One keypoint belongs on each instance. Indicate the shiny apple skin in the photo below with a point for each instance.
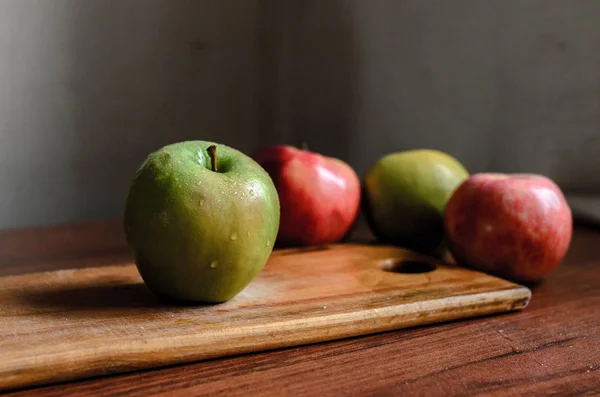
(516, 226)
(319, 195)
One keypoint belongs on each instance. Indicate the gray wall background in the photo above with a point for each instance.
(89, 87)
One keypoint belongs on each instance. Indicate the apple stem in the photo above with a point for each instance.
(212, 152)
(303, 145)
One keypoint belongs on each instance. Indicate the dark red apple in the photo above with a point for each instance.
(319, 195)
(516, 226)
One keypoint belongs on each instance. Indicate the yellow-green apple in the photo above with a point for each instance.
(516, 226)
(319, 195)
(405, 197)
(201, 219)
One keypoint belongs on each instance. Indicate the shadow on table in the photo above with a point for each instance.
(108, 299)
(103, 296)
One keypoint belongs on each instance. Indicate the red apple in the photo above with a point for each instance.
(319, 196)
(516, 226)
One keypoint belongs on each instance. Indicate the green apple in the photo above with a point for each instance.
(201, 219)
(405, 197)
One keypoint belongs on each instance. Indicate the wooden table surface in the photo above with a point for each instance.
(550, 348)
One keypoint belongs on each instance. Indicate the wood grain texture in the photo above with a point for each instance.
(550, 348)
(92, 244)
(69, 324)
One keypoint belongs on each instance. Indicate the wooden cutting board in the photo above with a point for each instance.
(70, 324)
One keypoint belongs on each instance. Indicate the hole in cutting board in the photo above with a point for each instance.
(404, 266)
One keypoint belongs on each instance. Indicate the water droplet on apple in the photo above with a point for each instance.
(234, 236)
(214, 264)
(201, 202)
(248, 234)
(235, 193)
(267, 243)
(251, 192)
